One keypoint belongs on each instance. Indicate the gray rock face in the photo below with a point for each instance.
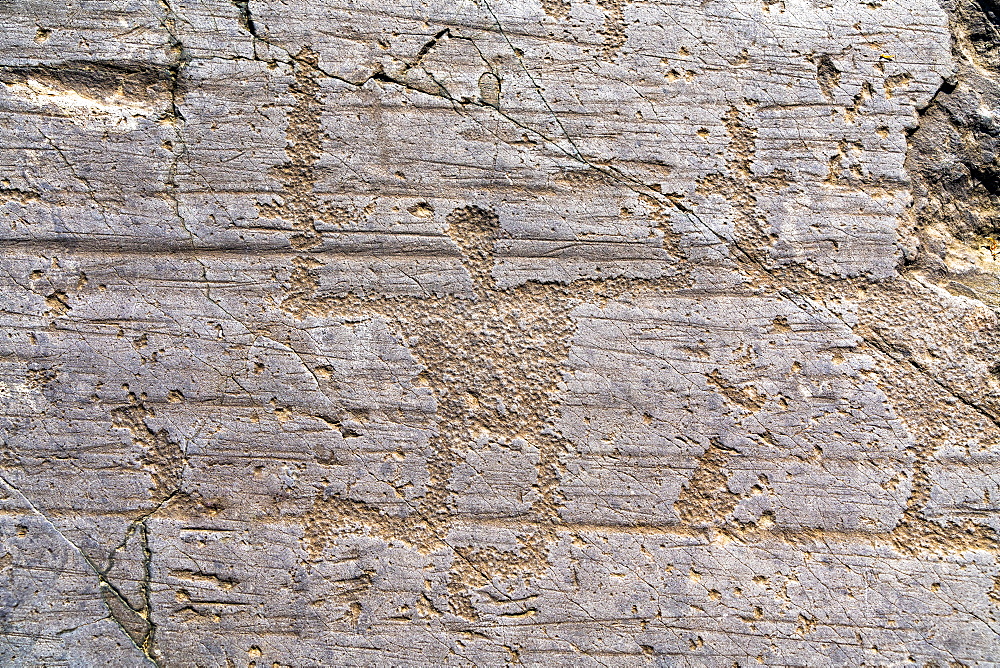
(560, 333)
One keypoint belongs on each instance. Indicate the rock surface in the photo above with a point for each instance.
(499, 332)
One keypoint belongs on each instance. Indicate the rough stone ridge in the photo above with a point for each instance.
(500, 332)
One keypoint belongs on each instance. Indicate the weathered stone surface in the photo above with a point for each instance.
(499, 333)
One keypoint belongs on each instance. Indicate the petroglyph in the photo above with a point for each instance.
(499, 333)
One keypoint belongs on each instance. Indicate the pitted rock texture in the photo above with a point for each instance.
(524, 332)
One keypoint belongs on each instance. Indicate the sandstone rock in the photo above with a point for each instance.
(499, 333)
